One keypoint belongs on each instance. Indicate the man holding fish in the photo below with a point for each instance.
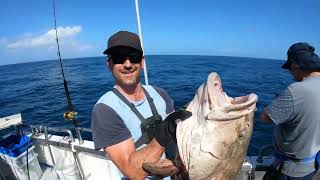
(212, 134)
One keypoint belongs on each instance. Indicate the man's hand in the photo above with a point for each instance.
(265, 117)
(166, 131)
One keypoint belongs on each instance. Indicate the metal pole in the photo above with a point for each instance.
(140, 35)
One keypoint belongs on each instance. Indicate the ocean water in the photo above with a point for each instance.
(36, 89)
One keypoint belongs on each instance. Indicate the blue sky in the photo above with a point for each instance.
(247, 28)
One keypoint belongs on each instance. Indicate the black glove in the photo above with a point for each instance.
(165, 132)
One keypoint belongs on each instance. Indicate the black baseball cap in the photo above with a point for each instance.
(123, 38)
(303, 55)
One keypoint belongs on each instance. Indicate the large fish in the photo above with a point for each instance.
(213, 142)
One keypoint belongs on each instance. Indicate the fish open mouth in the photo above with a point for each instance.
(218, 106)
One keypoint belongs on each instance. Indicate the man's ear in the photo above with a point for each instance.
(109, 64)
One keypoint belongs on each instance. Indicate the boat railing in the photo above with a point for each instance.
(71, 142)
(262, 152)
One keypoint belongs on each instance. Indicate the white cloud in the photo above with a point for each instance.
(79, 47)
(48, 39)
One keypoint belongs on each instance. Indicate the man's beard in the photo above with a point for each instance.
(128, 81)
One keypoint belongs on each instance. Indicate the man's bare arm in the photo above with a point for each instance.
(265, 117)
(129, 160)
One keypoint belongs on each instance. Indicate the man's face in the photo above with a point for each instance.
(126, 65)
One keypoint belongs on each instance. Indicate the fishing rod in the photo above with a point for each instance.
(71, 114)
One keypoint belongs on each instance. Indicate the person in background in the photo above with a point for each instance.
(296, 113)
(131, 123)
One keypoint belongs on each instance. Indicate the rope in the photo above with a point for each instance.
(22, 133)
(140, 35)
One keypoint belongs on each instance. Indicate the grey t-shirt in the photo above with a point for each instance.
(296, 112)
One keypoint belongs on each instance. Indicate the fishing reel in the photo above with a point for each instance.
(70, 115)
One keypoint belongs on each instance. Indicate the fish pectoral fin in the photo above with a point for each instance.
(161, 168)
(216, 143)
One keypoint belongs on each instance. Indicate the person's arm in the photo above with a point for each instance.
(265, 117)
(280, 110)
(129, 161)
(111, 134)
